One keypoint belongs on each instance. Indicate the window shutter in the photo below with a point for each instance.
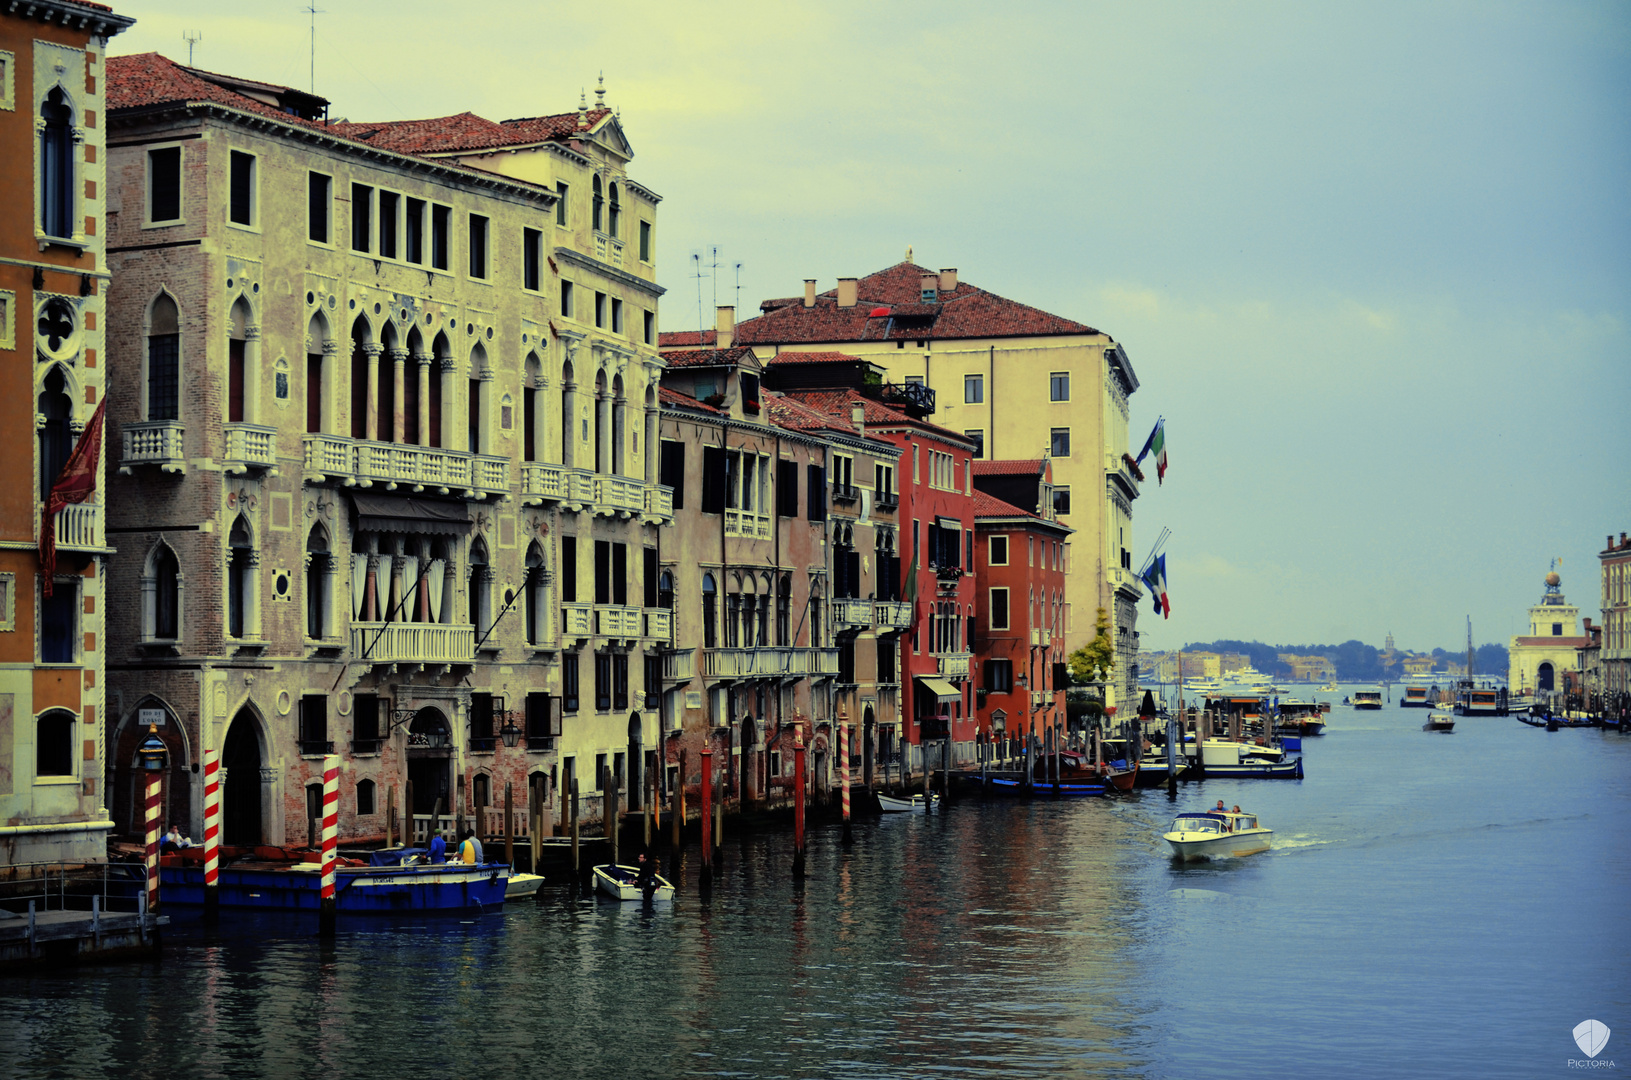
(787, 489)
(620, 574)
(817, 493)
(672, 466)
(713, 480)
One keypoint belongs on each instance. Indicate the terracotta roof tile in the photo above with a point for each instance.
(991, 506)
(812, 358)
(465, 131)
(684, 358)
(147, 79)
(675, 399)
(964, 312)
(1024, 467)
(836, 405)
(681, 339)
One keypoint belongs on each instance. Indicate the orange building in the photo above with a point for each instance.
(53, 280)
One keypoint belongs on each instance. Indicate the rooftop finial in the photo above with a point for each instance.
(908, 252)
(600, 92)
(583, 110)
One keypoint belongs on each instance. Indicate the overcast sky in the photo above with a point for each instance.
(1370, 261)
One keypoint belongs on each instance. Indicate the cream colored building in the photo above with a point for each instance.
(1538, 659)
(1023, 384)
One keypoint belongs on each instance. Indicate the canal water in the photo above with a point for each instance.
(1434, 905)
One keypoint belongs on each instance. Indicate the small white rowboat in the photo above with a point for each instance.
(623, 883)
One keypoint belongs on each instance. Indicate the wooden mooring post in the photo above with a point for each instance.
(577, 868)
(509, 827)
(798, 804)
(705, 792)
(843, 772)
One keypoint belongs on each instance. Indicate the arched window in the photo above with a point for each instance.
(478, 406)
(710, 600)
(440, 370)
(237, 374)
(57, 165)
(784, 610)
(319, 584)
(415, 387)
(54, 744)
(161, 595)
(531, 442)
(389, 357)
(665, 590)
(533, 611)
(481, 575)
(614, 217)
(361, 342)
(164, 360)
(601, 405)
(481, 793)
(569, 391)
(815, 617)
(597, 204)
(619, 432)
(365, 798)
(240, 580)
(317, 369)
(763, 636)
(56, 432)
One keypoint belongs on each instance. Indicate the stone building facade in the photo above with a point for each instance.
(1615, 562)
(53, 378)
(384, 427)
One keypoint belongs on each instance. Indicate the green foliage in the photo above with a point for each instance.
(1094, 661)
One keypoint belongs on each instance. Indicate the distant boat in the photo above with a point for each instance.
(917, 804)
(1369, 698)
(1329, 688)
(522, 886)
(1415, 697)
(1437, 721)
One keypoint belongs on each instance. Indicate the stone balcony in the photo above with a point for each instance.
(578, 620)
(363, 463)
(79, 527)
(619, 495)
(249, 446)
(752, 663)
(413, 643)
(659, 504)
(659, 623)
(747, 525)
(852, 613)
(892, 614)
(679, 665)
(954, 665)
(152, 442)
(821, 661)
(618, 622)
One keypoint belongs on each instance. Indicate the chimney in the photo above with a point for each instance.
(809, 292)
(928, 287)
(724, 326)
(948, 279)
(848, 288)
(857, 416)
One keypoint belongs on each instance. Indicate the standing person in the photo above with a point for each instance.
(438, 848)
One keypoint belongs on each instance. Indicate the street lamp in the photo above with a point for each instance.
(152, 751)
(509, 732)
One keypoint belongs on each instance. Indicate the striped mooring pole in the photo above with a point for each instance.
(706, 792)
(331, 822)
(155, 798)
(212, 833)
(843, 772)
(798, 804)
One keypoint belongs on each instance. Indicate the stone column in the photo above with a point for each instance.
(399, 360)
(370, 588)
(422, 364)
(421, 604)
(372, 350)
(398, 565)
(450, 407)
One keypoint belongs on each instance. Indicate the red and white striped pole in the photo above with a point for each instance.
(331, 828)
(155, 799)
(843, 772)
(212, 833)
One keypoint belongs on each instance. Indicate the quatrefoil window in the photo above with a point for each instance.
(58, 328)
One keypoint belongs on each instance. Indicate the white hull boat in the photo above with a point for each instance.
(917, 804)
(1212, 835)
(521, 886)
(623, 883)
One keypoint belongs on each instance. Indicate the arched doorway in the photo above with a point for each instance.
(241, 788)
(636, 767)
(430, 762)
(1545, 678)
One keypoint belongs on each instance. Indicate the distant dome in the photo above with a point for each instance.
(1553, 580)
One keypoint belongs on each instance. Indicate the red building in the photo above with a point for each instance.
(1020, 565)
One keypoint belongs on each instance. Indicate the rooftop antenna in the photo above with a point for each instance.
(315, 11)
(738, 286)
(191, 37)
(714, 251)
(696, 269)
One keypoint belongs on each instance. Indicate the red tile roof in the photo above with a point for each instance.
(684, 358)
(836, 405)
(964, 312)
(787, 411)
(991, 506)
(1555, 642)
(147, 79)
(1027, 467)
(465, 131)
(812, 358)
(680, 339)
(677, 400)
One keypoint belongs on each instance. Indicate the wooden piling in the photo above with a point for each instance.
(536, 810)
(154, 807)
(798, 804)
(577, 869)
(719, 816)
(509, 828)
(609, 807)
(390, 813)
(705, 824)
(843, 773)
(651, 798)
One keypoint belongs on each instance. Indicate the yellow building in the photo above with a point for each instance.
(1539, 659)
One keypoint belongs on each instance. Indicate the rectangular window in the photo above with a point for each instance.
(482, 722)
(617, 315)
(787, 489)
(649, 335)
(314, 724)
(671, 469)
(620, 683)
(999, 676)
(714, 479)
(569, 682)
(653, 682)
(540, 725)
(816, 487)
(532, 250)
(566, 299)
(164, 184)
(478, 246)
(968, 557)
(59, 623)
(603, 571)
(1059, 386)
(977, 437)
(362, 219)
(645, 241)
(973, 389)
(620, 574)
(413, 232)
(603, 682)
(1061, 500)
(561, 191)
(365, 722)
(569, 569)
(600, 309)
(1060, 442)
(997, 613)
(242, 208)
(648, 576)
(318, 206)
(441, 228)
(390, 205)
(883, 484)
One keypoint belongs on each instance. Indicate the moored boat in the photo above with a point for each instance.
(623, 883)
(522, 886)
(1213, 834)
(1415, 697)
(1009, 785)
(1223, 758)
(280, 885)
(916, 804)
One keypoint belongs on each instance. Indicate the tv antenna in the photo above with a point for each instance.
(315, 11)
(191, 37)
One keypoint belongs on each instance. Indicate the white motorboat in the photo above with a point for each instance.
(623, 883)
(1217, 834)
(521, 886)
(917, 804)
(1368, 698)
(1439, 721)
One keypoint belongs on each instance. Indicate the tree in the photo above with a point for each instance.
(1093, 662)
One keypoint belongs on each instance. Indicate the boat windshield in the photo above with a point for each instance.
(1197, 824)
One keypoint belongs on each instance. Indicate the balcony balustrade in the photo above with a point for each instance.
(747, 525)
(955, 665)
(659, 504)
(893, 614)
(413, 643)
(329, 457)
(541, 482)
(659, 623)
(249, 446)
(394, 465)
(617, 622)
(79, 527)
(153, 442)
(1040, 636)
(821, 661)
(751, 663)
(846, 493)
(619, 495)
(852, 612)
(679, 665)
(578, 620)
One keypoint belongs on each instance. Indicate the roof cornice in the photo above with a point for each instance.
(74, 16)
(641, 190)
(579, 259)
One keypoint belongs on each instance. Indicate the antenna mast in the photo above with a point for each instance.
(315, 11)
(191, 37)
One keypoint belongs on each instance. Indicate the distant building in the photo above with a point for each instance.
(1539, 659)
(1616, 652)
(1418, 665)
(1309, 668)
(53, 377)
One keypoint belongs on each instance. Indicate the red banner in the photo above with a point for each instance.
(75, 484)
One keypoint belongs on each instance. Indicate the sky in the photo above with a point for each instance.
(1371, 262)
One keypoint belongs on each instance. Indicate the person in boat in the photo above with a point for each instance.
(438, 849)
(646, 880)
(1218, 809)
(173, 839)
(469, 851)
(1236, 810)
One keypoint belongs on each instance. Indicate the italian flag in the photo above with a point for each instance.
(1155, 576)
(1157, 444)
